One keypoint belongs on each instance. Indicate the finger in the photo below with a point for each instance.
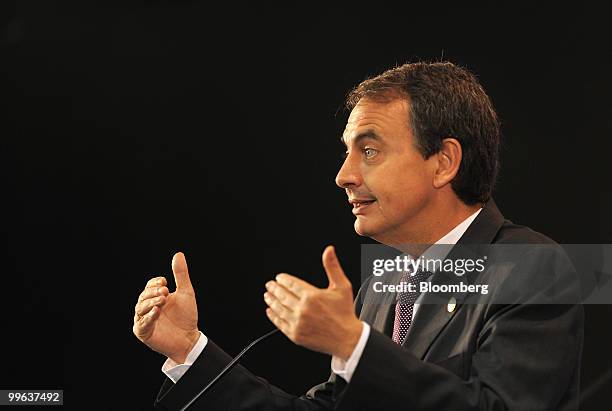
(181, 273)
(142, 325)
(277, 321)
(297, 286)
(335, 273)
(276, 306)
(156, 282)
(149, 300)
(286, 297)
(151, 292)
(145, 306)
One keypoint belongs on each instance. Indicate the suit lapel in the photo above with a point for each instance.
(383, 319)
(386, 315)
(380, 313)
(432, 315)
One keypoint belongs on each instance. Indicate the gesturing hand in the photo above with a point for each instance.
(322, 320)
(168, 322)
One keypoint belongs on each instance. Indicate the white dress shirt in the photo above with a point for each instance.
(341, 368)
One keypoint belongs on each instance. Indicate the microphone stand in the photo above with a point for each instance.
(226, 369)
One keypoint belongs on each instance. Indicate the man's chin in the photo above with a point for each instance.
(364, 228)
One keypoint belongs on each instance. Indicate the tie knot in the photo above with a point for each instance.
(420, 275)
(409, 296)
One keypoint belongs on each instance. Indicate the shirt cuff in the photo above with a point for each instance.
(175, 371)
(345, 369)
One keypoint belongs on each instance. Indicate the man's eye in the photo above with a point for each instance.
(369, 152)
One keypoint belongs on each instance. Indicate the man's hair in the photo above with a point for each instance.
(445, 101)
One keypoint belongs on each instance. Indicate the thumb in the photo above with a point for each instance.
(181, 273)
(335, 273)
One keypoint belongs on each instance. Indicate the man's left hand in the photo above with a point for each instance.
(322, 320)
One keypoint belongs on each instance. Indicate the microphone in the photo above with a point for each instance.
(227, 368)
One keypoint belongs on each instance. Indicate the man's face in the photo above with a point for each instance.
(386, 179)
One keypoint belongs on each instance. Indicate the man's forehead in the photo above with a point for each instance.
(376, 116)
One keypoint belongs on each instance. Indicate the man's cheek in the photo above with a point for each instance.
(385, 204)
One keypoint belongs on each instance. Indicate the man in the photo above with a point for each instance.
(421, 161)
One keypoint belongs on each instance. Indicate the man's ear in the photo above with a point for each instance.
(449, 160)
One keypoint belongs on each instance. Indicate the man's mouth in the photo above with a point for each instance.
(360, 205)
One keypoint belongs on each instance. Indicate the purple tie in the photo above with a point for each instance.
(405, 304)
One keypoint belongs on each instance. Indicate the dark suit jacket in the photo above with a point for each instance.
(477, 357)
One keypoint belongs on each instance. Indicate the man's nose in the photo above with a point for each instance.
(349, 174)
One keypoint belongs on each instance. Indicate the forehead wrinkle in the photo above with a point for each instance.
(375, 116)
(368, 130)
(379, 111)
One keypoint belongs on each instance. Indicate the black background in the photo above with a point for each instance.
(134, 129)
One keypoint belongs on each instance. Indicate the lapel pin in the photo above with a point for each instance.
(452, 304)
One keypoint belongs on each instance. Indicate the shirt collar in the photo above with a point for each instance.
(455, 234)
(440, 251)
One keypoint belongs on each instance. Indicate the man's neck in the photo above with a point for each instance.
(432, 224)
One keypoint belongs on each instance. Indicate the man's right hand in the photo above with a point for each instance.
(168, 322)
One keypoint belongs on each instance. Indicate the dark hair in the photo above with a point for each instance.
(445, 101)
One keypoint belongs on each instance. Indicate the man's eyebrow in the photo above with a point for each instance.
(371, 134)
